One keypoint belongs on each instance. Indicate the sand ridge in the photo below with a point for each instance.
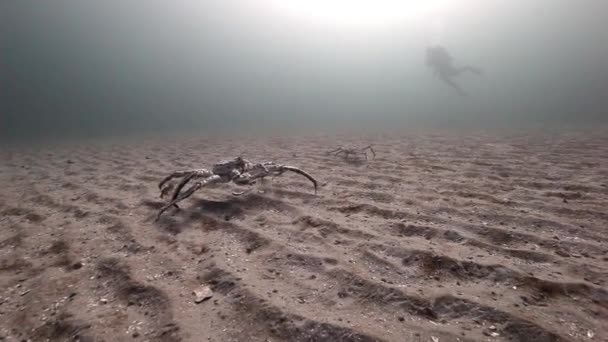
(448, 238)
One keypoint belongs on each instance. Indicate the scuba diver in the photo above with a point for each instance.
(438, 58)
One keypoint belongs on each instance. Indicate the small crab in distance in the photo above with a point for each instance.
(238, 170)
(352, 151)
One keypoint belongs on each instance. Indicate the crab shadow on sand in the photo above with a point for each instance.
(232, 207)
(355, 161)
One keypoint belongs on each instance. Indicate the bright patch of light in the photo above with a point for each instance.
(359, 14)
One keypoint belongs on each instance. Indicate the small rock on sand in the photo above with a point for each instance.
(202, 293)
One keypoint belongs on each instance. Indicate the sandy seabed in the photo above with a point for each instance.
(441, 237)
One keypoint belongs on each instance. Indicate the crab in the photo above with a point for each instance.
(238, 170)
(353, 151)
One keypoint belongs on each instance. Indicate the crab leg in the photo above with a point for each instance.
(195, 174)
(342, 151)
(178, 174)
(175, 174)
(181, 184)
(335, 150)
(282, 169)
(371, 149)
(240, 193)
(210, 180)
(243, 179)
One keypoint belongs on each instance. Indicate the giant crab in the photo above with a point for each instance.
(238, 170)
(353, 151)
